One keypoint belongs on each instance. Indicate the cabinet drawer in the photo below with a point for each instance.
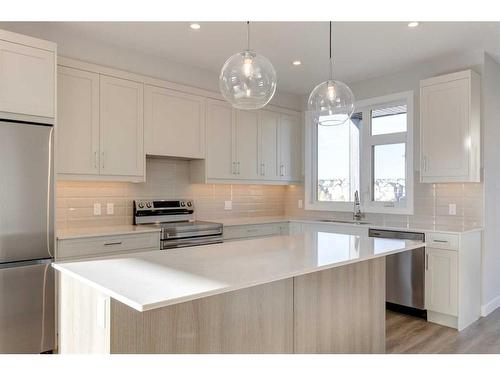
(442, 240)
(247, 231)
(106, 245)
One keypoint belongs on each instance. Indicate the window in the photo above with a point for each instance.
(371, 154)
(338, 161)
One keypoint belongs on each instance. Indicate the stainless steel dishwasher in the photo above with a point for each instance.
(405, 274)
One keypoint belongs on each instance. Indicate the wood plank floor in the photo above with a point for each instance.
(407, 334)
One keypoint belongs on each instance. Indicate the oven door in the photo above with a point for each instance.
(190, 241)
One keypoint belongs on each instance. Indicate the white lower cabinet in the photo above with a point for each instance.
(74, 248)
(441, 281)
(453, 278)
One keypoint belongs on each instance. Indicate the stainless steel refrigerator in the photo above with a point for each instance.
(27, 293)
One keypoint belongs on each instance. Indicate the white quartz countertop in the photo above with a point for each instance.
(155, 279)
(66, 234)
(452, 229)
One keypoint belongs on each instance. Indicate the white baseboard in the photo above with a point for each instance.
(491, 306)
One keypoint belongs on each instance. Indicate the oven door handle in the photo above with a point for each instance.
(194, 234)
(184, 242)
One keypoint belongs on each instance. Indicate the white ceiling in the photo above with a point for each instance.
(361, 49)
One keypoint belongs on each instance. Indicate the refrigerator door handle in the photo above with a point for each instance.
(49, 193)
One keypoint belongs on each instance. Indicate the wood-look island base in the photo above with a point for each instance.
(337, 310)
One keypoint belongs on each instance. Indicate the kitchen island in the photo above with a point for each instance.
(310, 293)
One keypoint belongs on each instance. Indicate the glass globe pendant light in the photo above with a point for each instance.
(331, 102)
(247, 80)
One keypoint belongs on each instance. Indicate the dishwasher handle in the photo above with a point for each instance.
(399, 235)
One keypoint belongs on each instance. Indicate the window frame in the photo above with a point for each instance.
(367, 141)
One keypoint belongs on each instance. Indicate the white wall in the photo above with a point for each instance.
(78, 47)
(491, 140)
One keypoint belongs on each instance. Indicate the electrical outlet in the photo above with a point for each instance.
(228, 205)
(110, 208)
(299, 203)
(452, 209)
(97, 209)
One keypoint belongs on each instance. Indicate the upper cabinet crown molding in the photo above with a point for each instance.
(27, 77)
(450, 128)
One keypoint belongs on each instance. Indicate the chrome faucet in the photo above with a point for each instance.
(357, 214)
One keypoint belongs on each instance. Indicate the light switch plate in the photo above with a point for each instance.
(97, 209)
(228, 205)
(452, 209)
(299, 203)
(110, 208)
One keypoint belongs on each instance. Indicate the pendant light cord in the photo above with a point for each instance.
(248, 35)
(331, 61)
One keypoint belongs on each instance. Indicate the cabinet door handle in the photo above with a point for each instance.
(426, 262)
(102, 159)
(112, 243)
(281, 170)
(440, 241)
(238, 165)
(263, 169)
(233, 168)
(95, 160)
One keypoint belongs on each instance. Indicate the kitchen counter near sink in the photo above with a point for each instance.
(233, 297)
(412, 227)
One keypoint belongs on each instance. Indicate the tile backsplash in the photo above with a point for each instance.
(431, 206)
(166, 178)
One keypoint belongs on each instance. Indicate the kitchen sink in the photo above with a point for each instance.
(358, 222)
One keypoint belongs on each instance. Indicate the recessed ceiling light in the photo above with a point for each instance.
(195, 26)
(296, 62)
(413, 24)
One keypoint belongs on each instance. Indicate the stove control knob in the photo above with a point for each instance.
(141, 205)
(148, 205)
(189, 204)
(183, 204)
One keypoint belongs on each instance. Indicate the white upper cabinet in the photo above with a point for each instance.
(78, 121)
(121, 130)
(290, 149)
(174, 123)
(268, 163)
(250, 146)
(220, 161)
(450, 128)
(27, 79)
(247, 144)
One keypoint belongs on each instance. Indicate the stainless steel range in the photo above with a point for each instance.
(175, 218)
